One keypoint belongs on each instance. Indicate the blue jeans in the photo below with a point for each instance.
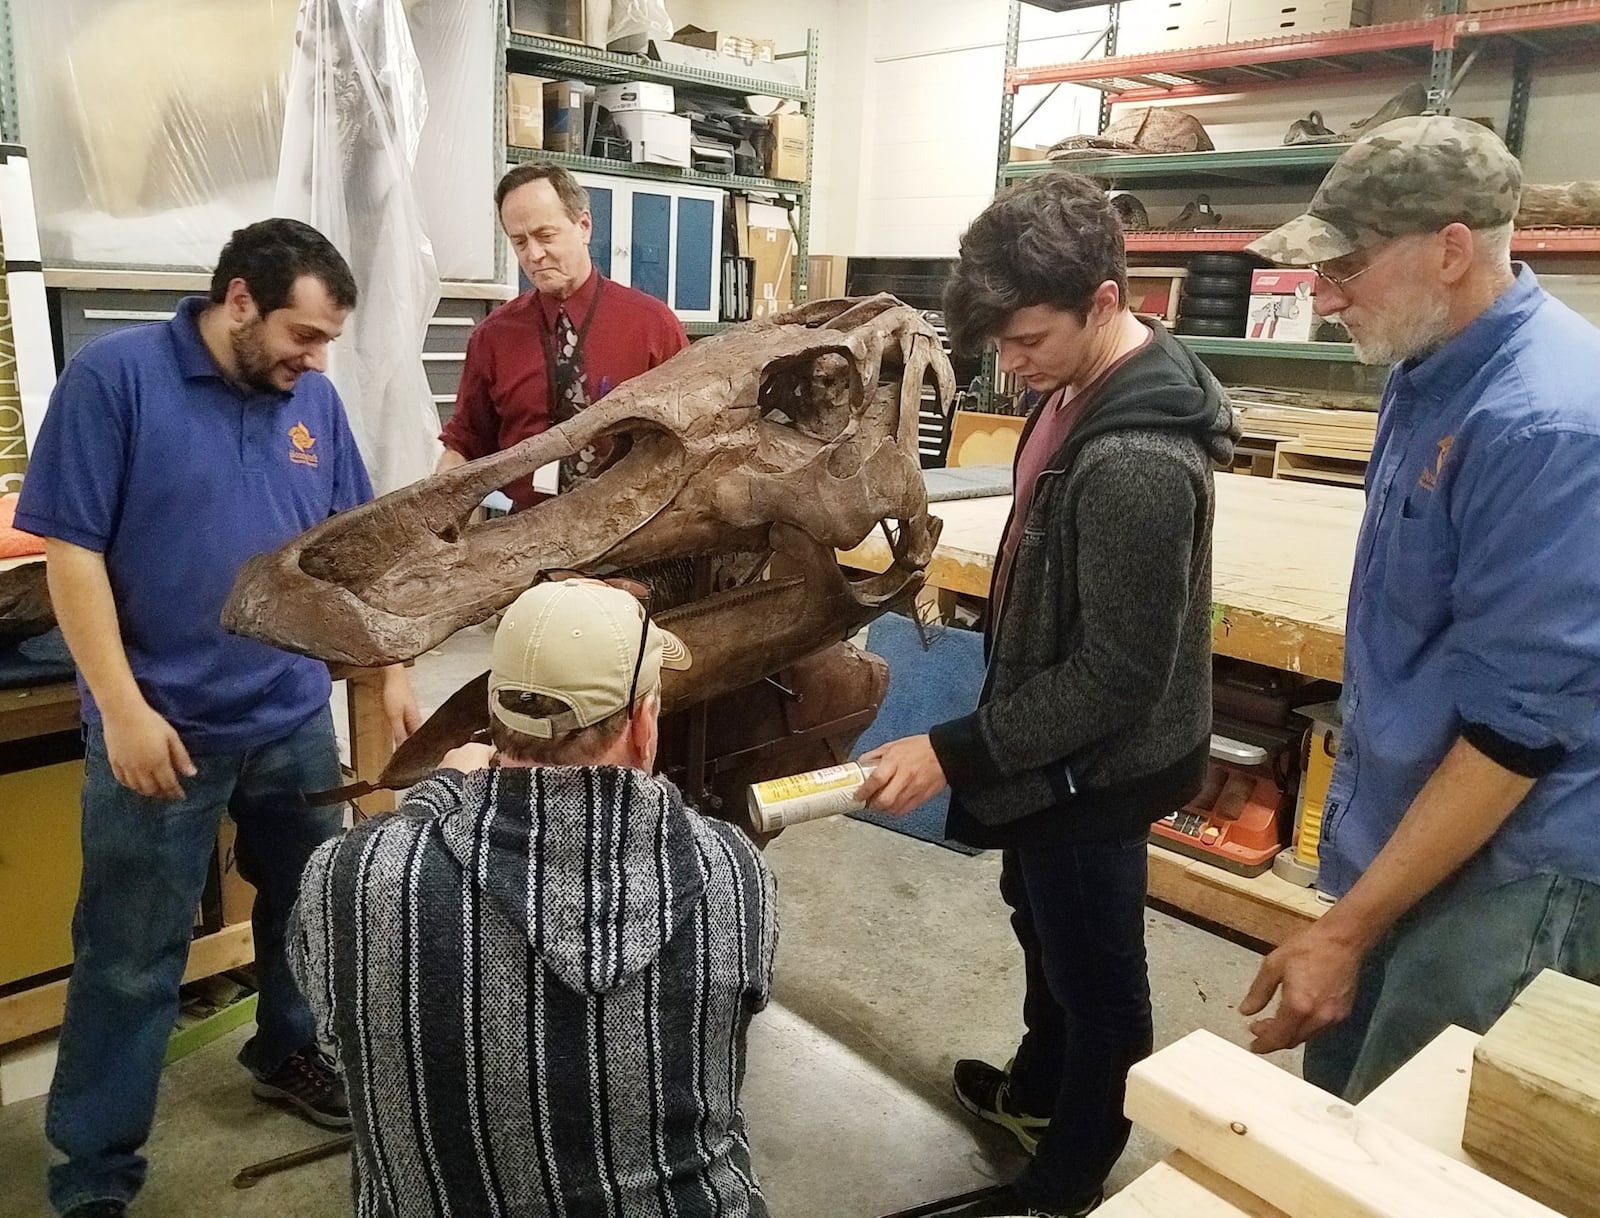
(144, 869)
(1460, 959)
(1078, 912)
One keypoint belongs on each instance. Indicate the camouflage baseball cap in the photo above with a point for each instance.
(1413, 175)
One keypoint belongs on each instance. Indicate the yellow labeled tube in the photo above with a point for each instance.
(830, 791)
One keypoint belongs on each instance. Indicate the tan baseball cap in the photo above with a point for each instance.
(1412, 175)
(576, 641)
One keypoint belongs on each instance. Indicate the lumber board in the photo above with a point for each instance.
(40, 1008)
(1181, 1187)
(1427, 1097)
(1299, 1148)
(38, 710)
(1264, 907)
(1533, 1110)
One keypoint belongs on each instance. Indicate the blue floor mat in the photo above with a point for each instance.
(925, 687)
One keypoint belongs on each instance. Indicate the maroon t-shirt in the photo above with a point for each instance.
(505, 386)
(1057, 416)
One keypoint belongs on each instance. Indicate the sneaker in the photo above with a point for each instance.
(1006, 1203)
(309, 1083)
(985, 1092)
(106, 1207)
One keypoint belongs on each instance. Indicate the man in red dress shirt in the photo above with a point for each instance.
(542, 357)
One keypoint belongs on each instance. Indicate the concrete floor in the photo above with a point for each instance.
(895, 957)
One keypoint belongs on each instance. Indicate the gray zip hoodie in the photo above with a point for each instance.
(1095, 717)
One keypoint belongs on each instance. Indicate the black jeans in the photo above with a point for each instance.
(1078, 911)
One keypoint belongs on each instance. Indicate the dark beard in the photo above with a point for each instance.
(255, 370)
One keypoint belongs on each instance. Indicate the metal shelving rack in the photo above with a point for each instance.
(1561, 32)
(9, 131)
(557, 59)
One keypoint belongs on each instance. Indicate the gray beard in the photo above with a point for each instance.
(1412, 331)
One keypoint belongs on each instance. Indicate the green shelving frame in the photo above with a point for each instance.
(1341, 353)
(555, 58)
(1304, 163)
(658, 173)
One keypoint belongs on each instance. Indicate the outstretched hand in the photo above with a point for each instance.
(908, 776)
(1316, 973)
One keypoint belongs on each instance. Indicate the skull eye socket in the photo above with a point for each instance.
(815, 394)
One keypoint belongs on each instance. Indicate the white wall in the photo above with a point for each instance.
(836, 121)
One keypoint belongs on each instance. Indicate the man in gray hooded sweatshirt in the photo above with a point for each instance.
(540, 971)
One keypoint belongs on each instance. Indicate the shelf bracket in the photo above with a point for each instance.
(1521, 88)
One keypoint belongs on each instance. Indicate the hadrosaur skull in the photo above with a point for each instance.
(785, 439)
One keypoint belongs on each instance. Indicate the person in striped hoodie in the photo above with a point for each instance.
(538, 973)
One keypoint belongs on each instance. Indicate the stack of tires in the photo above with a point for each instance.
(1216, 295)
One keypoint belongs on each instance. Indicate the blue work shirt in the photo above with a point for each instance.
(149, 456)
(1475, 602)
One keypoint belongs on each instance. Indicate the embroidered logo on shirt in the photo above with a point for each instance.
(302, 439)
(1430, 477)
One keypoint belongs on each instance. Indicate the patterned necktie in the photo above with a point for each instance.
(572, 395)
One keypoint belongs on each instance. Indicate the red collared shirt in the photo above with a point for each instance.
(505, 388)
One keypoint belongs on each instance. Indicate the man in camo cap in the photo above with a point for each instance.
(1459, 832)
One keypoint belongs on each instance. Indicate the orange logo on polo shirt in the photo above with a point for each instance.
(302, 439)
(1430, 477)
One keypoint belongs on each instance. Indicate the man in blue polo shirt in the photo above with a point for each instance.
(170, 454)
(1462, 829)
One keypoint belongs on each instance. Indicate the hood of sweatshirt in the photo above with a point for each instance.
(596, 863)
(1164, 386)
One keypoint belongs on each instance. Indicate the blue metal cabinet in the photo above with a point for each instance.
(661, 238)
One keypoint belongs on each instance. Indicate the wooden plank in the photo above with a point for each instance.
(1427, 1097)
(1533, 1113)
(1261, 907)
(38, 710)
(1181, 1187)
(1297, 1147)
(371, 743)
(40, 1008)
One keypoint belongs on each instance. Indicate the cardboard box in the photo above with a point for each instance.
(1280, 306)
(736, 46)
(1386, 12)
(548, 18)
(1154, 291)
(769, 308)
(825, 276)
(635, 95)
(658, 139)
(1145, 26)
(1027, 152)
(789, 72)
(238, 895)
(563, 115)
(41, 860)
(1249, 20)
(772, 245)
(524, 111)
(789, 138)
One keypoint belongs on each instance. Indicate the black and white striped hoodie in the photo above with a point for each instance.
(539, 981)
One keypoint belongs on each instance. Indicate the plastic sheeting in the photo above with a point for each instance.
(355, 113)
(155, 126)
(639, 18)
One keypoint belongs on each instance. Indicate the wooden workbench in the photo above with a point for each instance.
(46, 709)
(1281, 562)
